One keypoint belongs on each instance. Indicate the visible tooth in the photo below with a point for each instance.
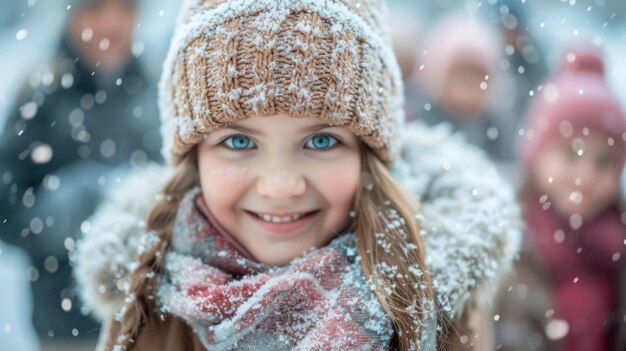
(276, 219)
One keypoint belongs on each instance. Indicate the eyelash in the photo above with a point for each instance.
(223, 143)
(230, 137)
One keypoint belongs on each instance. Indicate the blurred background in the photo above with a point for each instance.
(78, 110)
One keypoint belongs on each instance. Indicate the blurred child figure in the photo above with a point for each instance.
(457, 76)
(566, 292)
(85, 116)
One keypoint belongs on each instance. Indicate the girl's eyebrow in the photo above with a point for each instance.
(243, 129)
(316, 128)
(248, 130)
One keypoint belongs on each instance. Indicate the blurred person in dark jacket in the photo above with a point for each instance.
(82, 120)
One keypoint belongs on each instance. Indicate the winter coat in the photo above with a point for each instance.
(620, 337)
(469, 217)
(525, 310)
(531, 303)
(71, 136)
(522, 304)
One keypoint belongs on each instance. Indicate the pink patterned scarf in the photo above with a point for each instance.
(320, 301)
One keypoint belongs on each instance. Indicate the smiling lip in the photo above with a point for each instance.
(284, 223)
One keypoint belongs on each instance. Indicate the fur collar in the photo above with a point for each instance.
(470, 219)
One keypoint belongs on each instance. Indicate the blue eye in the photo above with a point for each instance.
(321, 142)
(238, 143)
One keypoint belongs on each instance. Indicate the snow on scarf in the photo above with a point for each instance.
(318, 301)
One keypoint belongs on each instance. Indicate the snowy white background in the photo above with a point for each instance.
(30, 31)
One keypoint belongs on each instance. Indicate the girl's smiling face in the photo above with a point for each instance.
(280, 185)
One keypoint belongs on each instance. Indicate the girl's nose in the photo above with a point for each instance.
(281, 184)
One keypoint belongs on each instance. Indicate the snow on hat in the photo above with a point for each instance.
(328, 59)
(458, 38)
(577, 97)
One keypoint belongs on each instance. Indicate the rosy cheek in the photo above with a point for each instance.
(226, 175)
(606, 187)
(549, 173)
(215, 178)
(338, 185)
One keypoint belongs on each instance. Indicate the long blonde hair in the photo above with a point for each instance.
(391, 250)
(387, 238)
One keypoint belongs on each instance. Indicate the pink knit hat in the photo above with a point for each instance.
(576, 97)
(458, 38)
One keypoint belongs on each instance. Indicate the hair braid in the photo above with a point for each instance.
(141, 285)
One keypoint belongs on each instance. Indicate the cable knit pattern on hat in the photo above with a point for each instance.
(326, 59)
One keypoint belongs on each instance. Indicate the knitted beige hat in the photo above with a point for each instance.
(328, 59)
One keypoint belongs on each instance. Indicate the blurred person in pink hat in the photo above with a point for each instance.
(458, 75)
(568, 293)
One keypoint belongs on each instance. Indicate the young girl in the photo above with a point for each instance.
(279, 223)
(566, 293)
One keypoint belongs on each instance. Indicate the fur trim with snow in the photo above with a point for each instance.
(106, 251)
(471, 222)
